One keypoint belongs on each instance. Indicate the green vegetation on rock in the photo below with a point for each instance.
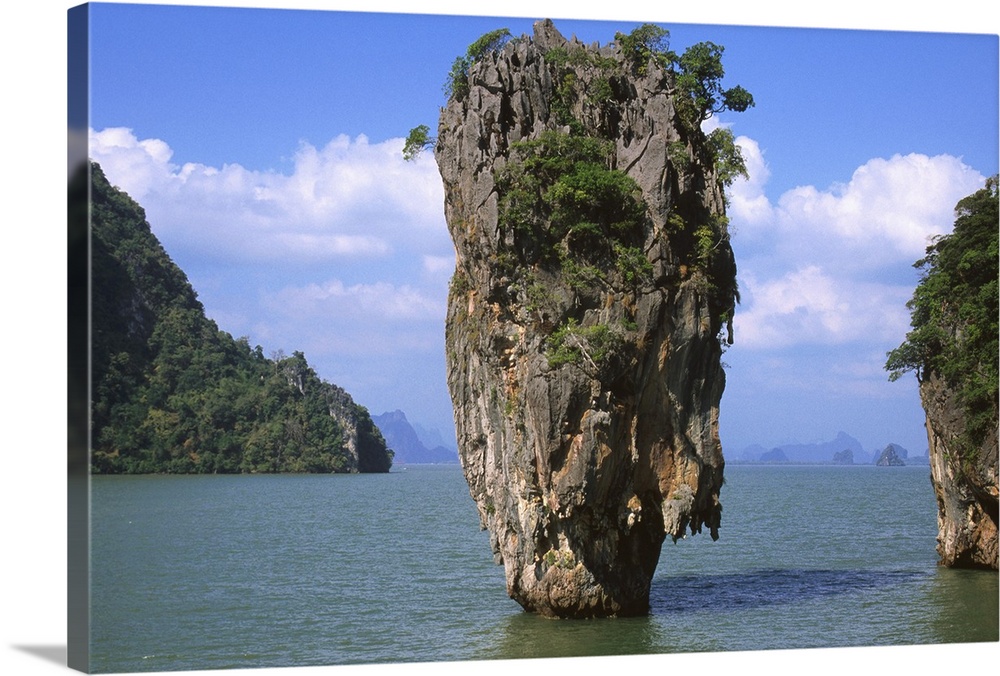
(564, 206)
(592, 345)
(699, 81)
(417, 141)
(173, 393)
(727, 157)
(954, 314)
(698, 72)
(645, 43)
(457, 85)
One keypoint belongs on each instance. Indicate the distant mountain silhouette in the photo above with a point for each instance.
(821, 452)
(402, 437)
(844, 457)
(751, 453)
(842, 450)
(774, 455)
(825, 450)
(431, 437)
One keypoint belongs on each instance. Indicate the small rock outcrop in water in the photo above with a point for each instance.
(774, 455)
(594, 279)
(889, 458)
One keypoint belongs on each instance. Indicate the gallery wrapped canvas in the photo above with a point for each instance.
(444, 340)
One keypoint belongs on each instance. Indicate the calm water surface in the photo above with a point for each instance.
(218, 572)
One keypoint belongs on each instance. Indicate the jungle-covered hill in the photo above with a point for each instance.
(171, 392)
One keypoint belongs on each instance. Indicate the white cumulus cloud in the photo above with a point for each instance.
(349, 198)
(372, 320)
(887, 212)
(346, 256)
(833, 266)
(810, 306)
(381, 302)
(747, 201)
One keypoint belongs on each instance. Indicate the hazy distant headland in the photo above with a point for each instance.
(411, 443)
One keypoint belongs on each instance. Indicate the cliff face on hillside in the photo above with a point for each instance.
(965, 486)
(594, 279)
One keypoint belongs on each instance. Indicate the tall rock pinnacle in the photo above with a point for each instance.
(952, 348)
(593, 287)
(965, 487)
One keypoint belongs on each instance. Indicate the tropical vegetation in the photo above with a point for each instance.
(953, 314)
(171, 392)
(572, 225)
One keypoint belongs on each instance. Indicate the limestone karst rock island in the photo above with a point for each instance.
(965, 487)
(587, 314)
(952, 348)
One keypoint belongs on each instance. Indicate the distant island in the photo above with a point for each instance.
(844, 457)
(412, 444)
(172, 393)
(841, 450)
(891, 458)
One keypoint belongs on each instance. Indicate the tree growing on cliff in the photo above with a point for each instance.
(729, 161)
(457, 85)
(646, 42)
(954, 313)
(418, 140)
(698, 72)
(699, 80)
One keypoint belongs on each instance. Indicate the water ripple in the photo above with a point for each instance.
(757, 589)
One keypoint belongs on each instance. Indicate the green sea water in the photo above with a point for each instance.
(212, 572)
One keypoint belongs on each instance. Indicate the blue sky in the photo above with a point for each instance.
(264, 145)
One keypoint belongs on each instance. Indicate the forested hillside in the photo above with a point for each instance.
(171, 392)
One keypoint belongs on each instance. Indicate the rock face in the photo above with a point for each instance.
(965, 486)
(583, 355)
(362, 439)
